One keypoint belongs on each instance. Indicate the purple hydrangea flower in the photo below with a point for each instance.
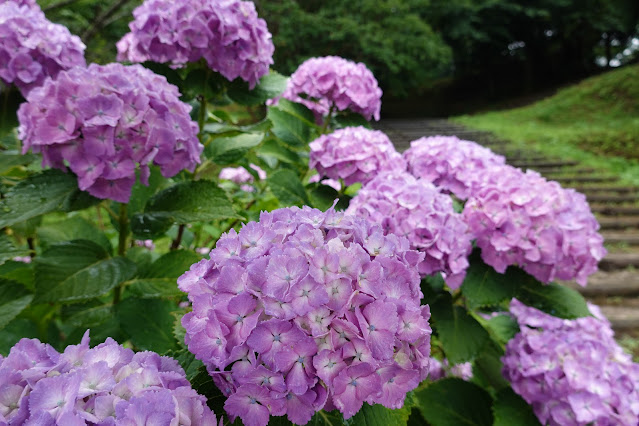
(105, 385)
(572, 372)
(240, 176)
(522, 219)
(333, 82)
(306, 310)
(226, 33)
(27, 3)
(450, 163)
(415, 209)
(32, 48)
(354, 154)
(441, 369)
(105, 120)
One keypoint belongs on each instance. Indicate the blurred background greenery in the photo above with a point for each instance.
(431, 57)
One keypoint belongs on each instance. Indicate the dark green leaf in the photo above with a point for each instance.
(12, 158)
(149, 226)
(17, 329)
(269, 87)
(14, 297)
(462, 337)
(483, 286)
(351, 119)
(292, 123)
(510, 409)
(288, 188)
(272, 148)
(454, 402)
(487, 367)
(178, 331)
(322, 196)
(149, 322)
(38, 194)
(78, 270)
(204, 385)
(18, 271)
(87, 315)
(503, 328)
(141, 193)
(173, 264)
(75, 228)
(153, 287)
(8, 250)
(378, 415)
(188, 362)
(229, 150)
(554, 299)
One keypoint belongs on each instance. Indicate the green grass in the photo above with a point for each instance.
(595, 122)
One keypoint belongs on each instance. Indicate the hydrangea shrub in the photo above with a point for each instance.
(32, 48)
(572, 372)
(308, 310)
(415, 209)
(523, 219)
(105, 385)
(354, 154)
(227, 34)
(105, 120)
(333, 83)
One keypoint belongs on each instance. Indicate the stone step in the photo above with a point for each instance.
(615, 261)
(609, 210)
(609, 198)
(561, 172)
(607, 284)
(584, 179)
(621, 317)
(531, 164)
(630, 238)
(605, 188)
(618, 222)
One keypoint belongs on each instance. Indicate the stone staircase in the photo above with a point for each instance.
(616, 286)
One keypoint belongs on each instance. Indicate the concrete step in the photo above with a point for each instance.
(621, 317)
(553, 172)
(618, 222)
(615, 261)
(584, 179)
(531, 164)
(606, 188)
(609, 210)
(609, 198)
(630, 238)
(608, 284)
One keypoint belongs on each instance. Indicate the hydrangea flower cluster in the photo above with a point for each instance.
(308, 310)
(572, 372)
(27, 3)
(33, 48)
(415, 209)
(522, 219)
(102, 120)
(240, 174)
(354, 154)
(105, 385)
(450, 163)
(226, 33)
(334, 82)
(442, 369)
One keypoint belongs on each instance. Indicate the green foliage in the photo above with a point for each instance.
(288, 188)
(292, 123)
(149, 323)
(8, 250)
(14, 297)
(511, 410)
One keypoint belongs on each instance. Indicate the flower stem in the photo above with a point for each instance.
(178, 239)
(325, 127)
(123, 221)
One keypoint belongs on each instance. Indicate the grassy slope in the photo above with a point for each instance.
(595, 122)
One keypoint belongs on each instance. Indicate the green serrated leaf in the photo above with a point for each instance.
(8, 250)
(78, 270)
(378, 415)
(503, 328)
(149, 323)
(74, 228)
(455, 402)
(188, 362)
(462, 337)
(487, 368)
(292, 123)
(483, 286)
(510, 409)
(230, 150)
(173, 264)
(269, 87)
(12, 158)
(18, 271)
(351, 119)
(191, 201)
(153, 287)
(87, 315)
(272, 148)
(554, 299)
(178, 330)
(38, 194)
(288, 188)
(14, 297)
(17, 329)
(148, 226)
(322, 196)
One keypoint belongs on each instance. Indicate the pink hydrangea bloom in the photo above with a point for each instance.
(522, 219)
(240, 174)
(105, 120)
(105, 385)
(415, 209)
(572, 372)
(354, 154)
(32, 48)
(226, 33)
(331, 81)
(306, 310)
(441, 369)
(335, 184)
(27, 3)
(450, 163)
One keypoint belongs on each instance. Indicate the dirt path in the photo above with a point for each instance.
(616, 286)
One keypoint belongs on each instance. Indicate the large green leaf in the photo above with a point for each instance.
(510, 409)
(269, 87)
(378, 415)
(153, 287)
(74, 228)
(288, 188)
(18, 271)
(12, 158)
(17, 329)
(87, 315)
(14, 297)
(483, 286)
(172, 264)
(38, 194)
(229, 150)
(454, 402)
(554, 299)
(462, 337)
(78, 270)
(149, 323)
(8, 250)
(322, 196)
(292, 123)
(274, 149)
